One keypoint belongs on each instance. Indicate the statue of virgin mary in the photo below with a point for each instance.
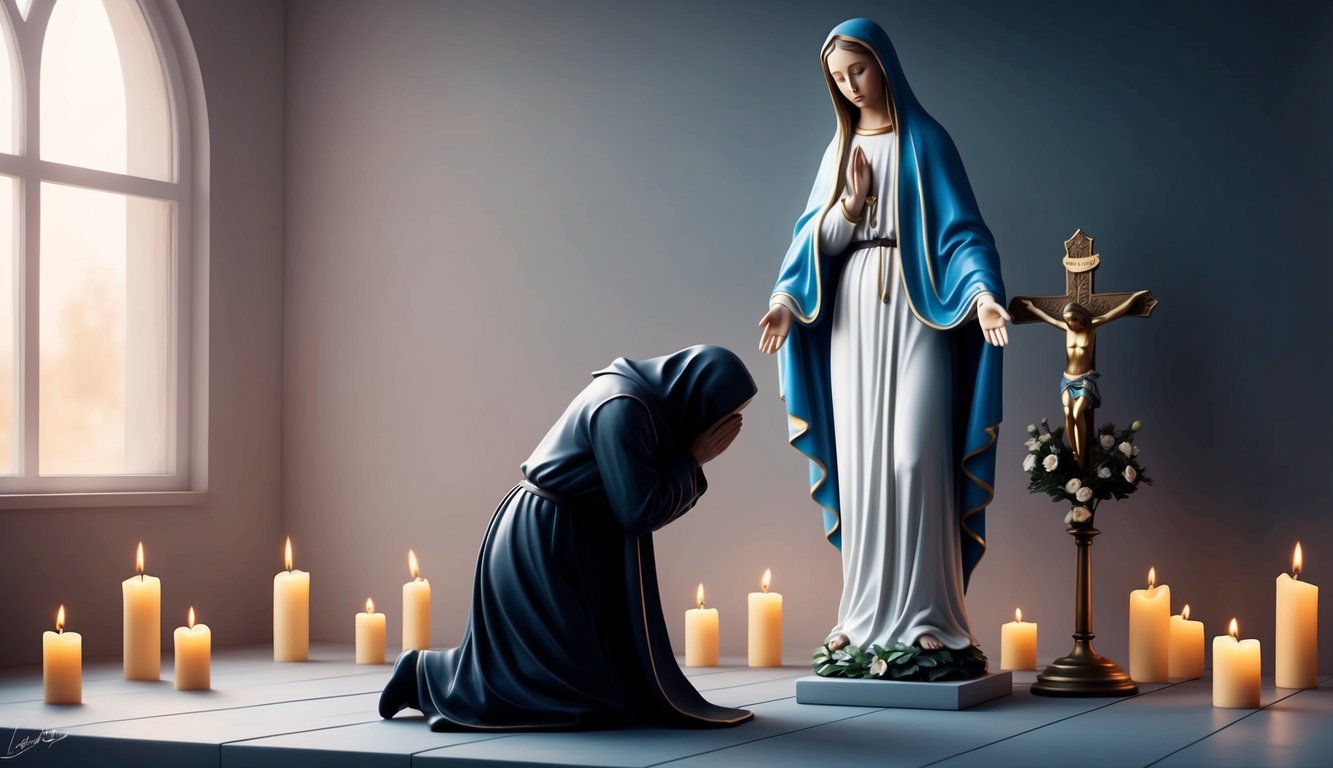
(888, 319)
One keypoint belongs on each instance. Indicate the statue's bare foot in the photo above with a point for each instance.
(837, 642)
(929, 642)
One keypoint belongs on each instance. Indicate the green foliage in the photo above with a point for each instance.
(902, 662)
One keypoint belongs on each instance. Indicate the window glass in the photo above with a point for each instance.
(104, 97)
(106, 341)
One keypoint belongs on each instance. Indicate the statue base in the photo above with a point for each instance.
(1084, 672)
(952, 694)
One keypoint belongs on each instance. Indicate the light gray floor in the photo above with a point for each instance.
(322, 713)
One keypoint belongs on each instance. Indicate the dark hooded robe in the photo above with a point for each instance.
(566, 627)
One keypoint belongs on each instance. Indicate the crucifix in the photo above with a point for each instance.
(1079, 312)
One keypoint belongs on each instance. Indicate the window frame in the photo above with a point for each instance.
(26, 488)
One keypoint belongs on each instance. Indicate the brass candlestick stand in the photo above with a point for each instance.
(1083, 672)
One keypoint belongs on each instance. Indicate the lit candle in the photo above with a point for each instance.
(1235, 671)
(1296, 650)
(194, 650)
(1186, 646)
(701, 634)
(142, 599)
(370, 635)
(1150, 632)
(291, 612)
(1018, 643)
(765, 642)
(62, 664)
(416, 607)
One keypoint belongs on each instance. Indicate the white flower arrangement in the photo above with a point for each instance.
(1113, 470)
(878, 667)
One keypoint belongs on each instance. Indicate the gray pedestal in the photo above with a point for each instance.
(957, 694)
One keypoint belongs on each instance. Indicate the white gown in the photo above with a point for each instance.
(891, 378)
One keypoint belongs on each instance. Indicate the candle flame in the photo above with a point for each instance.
(1018, 615)
(138, 559)
(699, 596)
(768, 576)
(412, 564)
(1185, 612)
(190, 623)
(1234, 629)
(60, 619)
(370, 605)
(287, 553)
(1152, 577)
(1297, 560)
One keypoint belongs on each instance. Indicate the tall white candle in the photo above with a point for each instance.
(1235, 671)
(416, 607)
(194, 651)
(765, 637)
(370, 635)
(701, 634)
(62, 664)
(1296, 646)
(1150, 632)
(291, 612)
(141, 599)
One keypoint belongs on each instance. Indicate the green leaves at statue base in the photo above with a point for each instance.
(901, 662)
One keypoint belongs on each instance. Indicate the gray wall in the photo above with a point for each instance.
(487, 200)
(219, 556)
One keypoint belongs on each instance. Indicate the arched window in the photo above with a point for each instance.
(97, 223)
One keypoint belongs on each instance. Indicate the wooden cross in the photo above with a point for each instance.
(1080, 263)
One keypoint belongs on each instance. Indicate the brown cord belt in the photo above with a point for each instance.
(879, 242)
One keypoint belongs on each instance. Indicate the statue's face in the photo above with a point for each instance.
(858, 77)
(1074, 322)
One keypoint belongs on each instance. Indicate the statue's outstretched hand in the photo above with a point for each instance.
(776, 324)
(716, 439)
(992, 318)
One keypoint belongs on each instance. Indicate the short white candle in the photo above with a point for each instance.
(701, 628)
(1018, 643)
(1235, 671)
(62, 664)
(194, 651)
(1186, 646)
(370, 635)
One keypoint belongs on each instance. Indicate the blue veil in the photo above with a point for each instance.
(947, 257)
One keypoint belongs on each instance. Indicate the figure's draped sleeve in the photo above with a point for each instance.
(807, 283)
(801, 280)
(835, 232)
(645, 490)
